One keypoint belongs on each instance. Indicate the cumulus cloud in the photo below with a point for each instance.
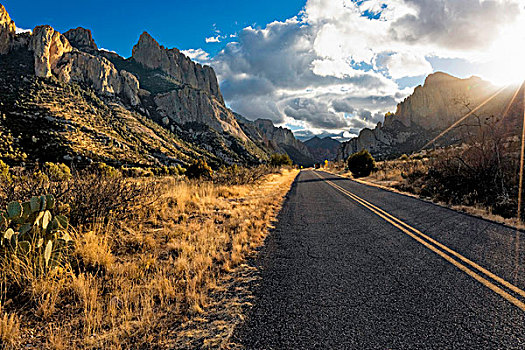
(333, 68)
(198, 55)
(402, 65)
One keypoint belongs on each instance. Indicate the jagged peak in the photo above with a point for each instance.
(81, 38)
(7, 31)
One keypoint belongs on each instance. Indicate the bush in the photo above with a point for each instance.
(239, 175)
(361, 164)
(105, 170)
(277, 160)
(199, 169)
(57, 172)
(4, 172)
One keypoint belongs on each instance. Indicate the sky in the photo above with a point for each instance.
(319, 67)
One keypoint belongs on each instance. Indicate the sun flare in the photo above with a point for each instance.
(507, 57)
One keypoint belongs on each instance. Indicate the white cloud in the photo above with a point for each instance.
(402, 65)
(20, 30)
(332, 69)
(213, 39)
(198, 55)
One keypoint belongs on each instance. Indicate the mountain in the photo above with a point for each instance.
(432, 108)
(276, 139)
(64, 99)
(323, 148)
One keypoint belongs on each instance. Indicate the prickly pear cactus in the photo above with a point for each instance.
(29, 230)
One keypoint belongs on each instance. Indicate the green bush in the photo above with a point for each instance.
(199, 169)
(57, 172)
(278, 160)
(105, 170)
(361, 164)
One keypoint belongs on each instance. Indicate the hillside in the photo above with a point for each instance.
(431, 109)
(83, 104)
(323, 148)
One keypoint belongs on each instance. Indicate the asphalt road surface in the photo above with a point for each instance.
(351, 266)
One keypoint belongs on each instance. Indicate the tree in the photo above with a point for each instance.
(278, 160)
(361, 164)
(199, 169)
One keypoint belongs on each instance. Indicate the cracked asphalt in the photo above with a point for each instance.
(334, 275)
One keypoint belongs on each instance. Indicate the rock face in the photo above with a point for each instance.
(81, 39)
(172, 62)
(282, 140)
(437, 104)
(189, 105)
(85, 68)
(7, 31)
(48, 46)
(432, 108)
(323, 148)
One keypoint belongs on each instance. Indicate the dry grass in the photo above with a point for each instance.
(137, 282)
(397, 176)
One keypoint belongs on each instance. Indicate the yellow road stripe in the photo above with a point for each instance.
(418, 236)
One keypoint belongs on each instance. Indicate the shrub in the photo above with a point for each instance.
(4, 172)
(361, 164)
(57, 172)
(199, 169)
(105, 170)
(239, 175)
(277, 160)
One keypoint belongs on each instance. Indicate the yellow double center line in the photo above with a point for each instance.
(464, 264)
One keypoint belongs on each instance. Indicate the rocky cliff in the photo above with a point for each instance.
(150, 54)
(81, 39)
(323, 148)
(432, 108)
(282, 140)
(160, 84)
(7, 31)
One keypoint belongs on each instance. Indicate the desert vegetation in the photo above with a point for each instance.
(480, 175)
(119, 258)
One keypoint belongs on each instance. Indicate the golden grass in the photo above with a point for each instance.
(135, 283)
(390, 177)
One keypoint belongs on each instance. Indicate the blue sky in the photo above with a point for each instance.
(319, 67)
(117, 25)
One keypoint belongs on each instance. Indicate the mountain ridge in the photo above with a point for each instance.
(163, 85)
(430, 109)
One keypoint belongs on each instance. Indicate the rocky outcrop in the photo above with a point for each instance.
(180, 67)
(282, 140)
(431, 109)
(322, 148)
(48, 46)
(81, 39)
(85, 68)
(189, 105)
(130, 87)
(7, 31)
(439, 102)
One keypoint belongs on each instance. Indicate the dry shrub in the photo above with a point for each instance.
(9, 330)
(149, 264)
(238, 175)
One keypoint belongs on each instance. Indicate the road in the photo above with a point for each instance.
(351, 266)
